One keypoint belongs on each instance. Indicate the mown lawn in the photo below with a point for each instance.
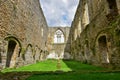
(68, 70)
(76, 76)
(51, 65)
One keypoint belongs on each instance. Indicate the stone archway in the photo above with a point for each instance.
(12, 53)
(37, 54)
(29, 55)
(103, 49)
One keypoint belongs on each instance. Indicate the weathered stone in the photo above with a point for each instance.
(22, 23)
(95, 31)
(57, 41)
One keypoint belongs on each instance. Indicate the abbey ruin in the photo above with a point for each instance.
(93, 38)
(95, 33)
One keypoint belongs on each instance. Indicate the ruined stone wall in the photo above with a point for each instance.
(97, 43)
(57, 50)
(23, 32)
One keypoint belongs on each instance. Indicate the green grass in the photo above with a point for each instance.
(51, 65)
(71, 70)
(78, 66)
(76, 76)
(48, 65)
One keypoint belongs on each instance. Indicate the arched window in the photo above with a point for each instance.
(42, 31)
(58, 37)
(85, 20)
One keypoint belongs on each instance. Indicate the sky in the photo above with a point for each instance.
(59, 12)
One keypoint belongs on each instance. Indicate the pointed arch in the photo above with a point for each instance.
(16, 40)
(29, 54)
(59, 36)
(37, 53)
(103, 49)
(13, 51)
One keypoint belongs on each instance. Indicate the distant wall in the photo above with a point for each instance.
(57, 50)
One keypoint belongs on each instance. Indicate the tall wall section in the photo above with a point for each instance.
(95, 31)
(57, 41)
(23, 32)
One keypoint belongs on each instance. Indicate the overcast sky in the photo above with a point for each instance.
(59, 12)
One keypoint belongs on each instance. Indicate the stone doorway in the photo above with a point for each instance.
(11, 49)
(102, 41)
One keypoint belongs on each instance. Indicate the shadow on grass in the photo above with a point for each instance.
(76, 76)
(78, 66)
(36, 75)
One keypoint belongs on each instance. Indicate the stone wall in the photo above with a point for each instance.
(94, 38)
(57, 49)
(23, 32)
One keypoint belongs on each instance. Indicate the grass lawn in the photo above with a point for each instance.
(71, 70)
(51, 65)
(76, 76)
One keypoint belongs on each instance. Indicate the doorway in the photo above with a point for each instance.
(102, 41)
(11, 48)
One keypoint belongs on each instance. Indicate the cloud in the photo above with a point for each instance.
(59, 12)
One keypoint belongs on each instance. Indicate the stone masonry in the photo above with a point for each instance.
(95, 33)
(57, 41)
(23, 33)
